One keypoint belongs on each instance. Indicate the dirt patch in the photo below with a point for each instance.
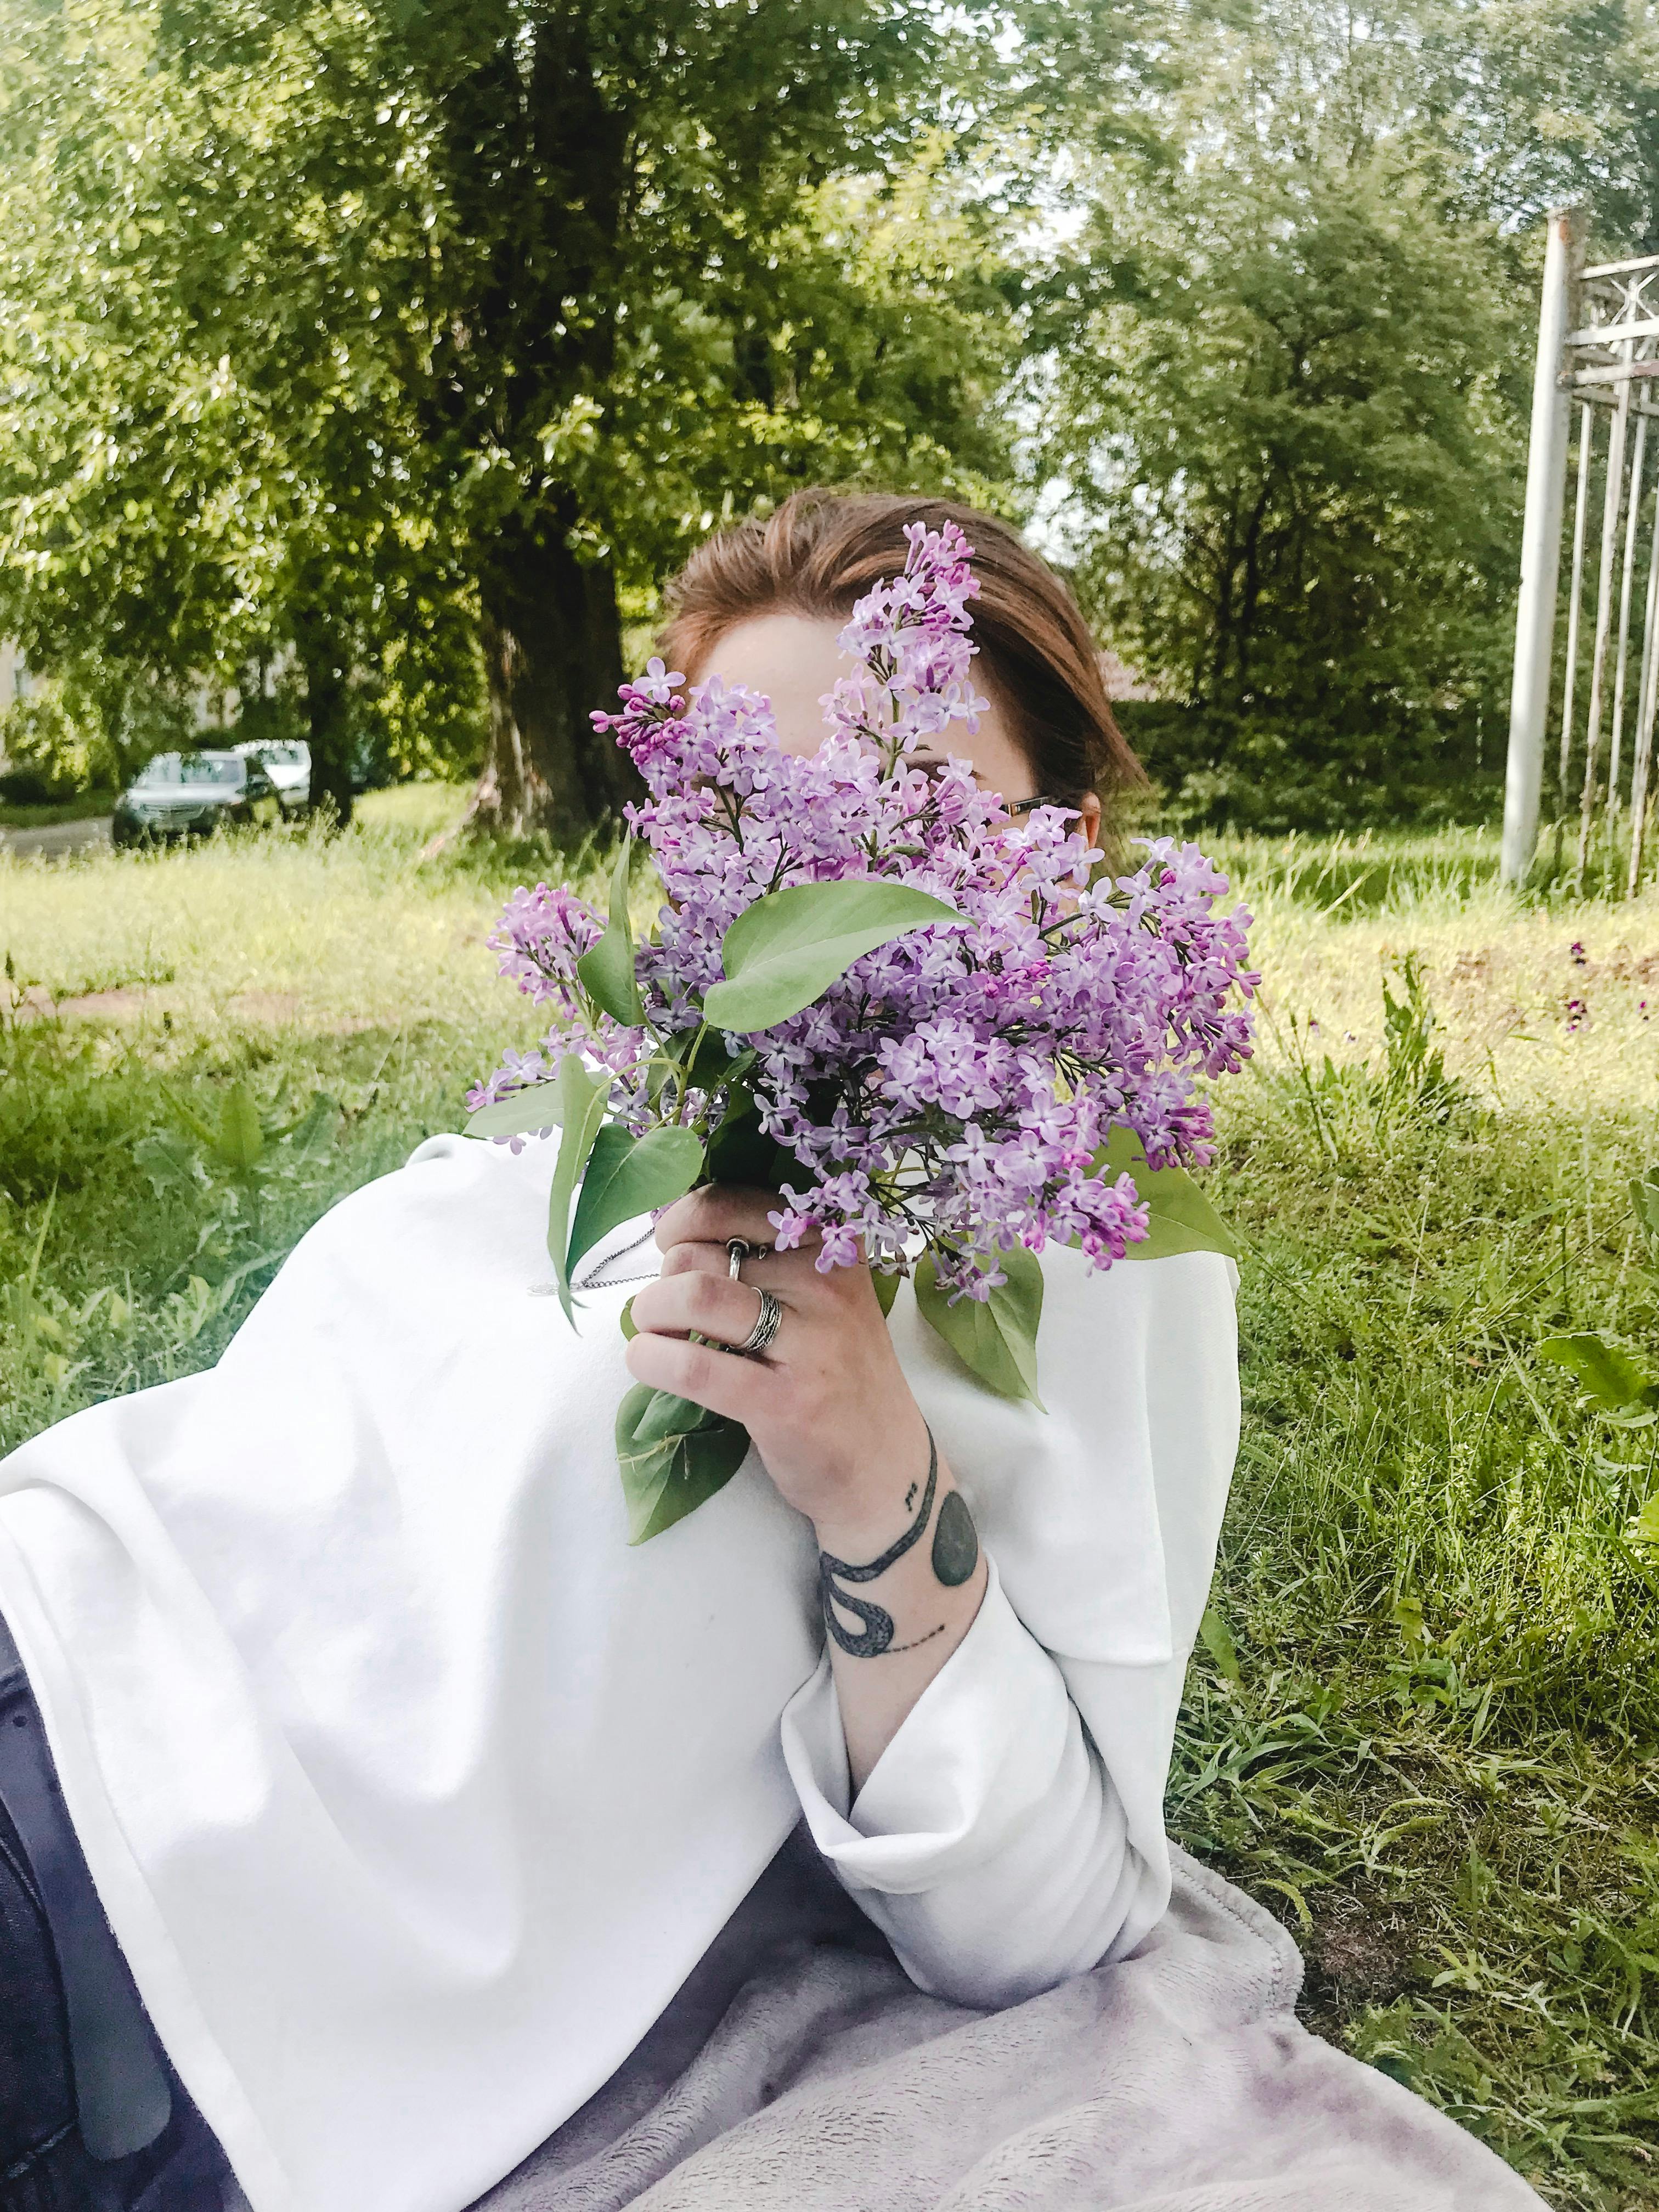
(276, 1009)
(283, 1009)
(126, 1002)
(1359, 1954)
(132, 1002)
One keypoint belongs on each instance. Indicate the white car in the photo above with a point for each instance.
(286, 762)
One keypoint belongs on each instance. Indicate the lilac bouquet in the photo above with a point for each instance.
(942, 1035)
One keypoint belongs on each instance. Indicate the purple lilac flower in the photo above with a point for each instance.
(958, 1085)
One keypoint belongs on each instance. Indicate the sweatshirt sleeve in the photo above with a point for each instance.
(1011, 1833)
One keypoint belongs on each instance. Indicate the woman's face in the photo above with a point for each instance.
(794, 660)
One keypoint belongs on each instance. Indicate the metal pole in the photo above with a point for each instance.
(1610, 507)
(1540, 554)
(1632, 519)
(1638, 781)
(1586, 436)
(1644, 697)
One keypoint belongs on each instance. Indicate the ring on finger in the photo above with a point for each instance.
(766, 1327)
(737, 1249)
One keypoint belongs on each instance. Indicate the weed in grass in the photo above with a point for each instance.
(1422, 1722)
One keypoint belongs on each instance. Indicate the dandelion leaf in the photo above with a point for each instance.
(1609, 1376)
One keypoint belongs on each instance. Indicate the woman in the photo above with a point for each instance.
(411, 1794)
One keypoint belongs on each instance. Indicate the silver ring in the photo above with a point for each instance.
(737, 1249)
(766, 1325)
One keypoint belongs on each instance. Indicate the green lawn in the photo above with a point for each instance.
(1423, 1729)
(85, 806)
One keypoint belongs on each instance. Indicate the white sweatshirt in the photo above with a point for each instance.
(413, 1794)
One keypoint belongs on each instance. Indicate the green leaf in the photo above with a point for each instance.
(313, 1134)
(625, 1321)
(1644, 1198)
(192, 1120)
(536, 1108)
(887, 1288)
(628, 1175)
(704, 1060)
(996, 1339)
(1180, 1218)
(790, 946)
(1609, 1375)
(740, 1152)
(581, 1099)
(1407, 1614)
(606, 969)
(169, 1162)
(1644, 1528)
(1218, 1640)
(241, 1139)
(665, 1477)
(668, 1415)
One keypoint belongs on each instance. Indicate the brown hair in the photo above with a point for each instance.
(822, 550)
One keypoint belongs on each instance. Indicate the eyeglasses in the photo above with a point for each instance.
(928, 765)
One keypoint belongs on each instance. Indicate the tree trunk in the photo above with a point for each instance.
(324, 658)
(552, 643)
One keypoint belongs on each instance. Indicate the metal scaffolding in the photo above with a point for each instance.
(1602, 372)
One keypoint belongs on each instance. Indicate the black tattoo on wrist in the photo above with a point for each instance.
(876, 1634)
(955, 1541)
(893, 1649)
(955, 1555)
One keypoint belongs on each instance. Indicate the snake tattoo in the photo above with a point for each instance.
(955, 1555)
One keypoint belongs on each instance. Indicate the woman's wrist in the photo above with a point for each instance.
(876, 1583)
(876, 1499)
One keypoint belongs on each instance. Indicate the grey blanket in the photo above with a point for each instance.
(799, 2069)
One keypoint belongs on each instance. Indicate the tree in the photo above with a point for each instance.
(486, 311)
(205, 460)
(1291, 439)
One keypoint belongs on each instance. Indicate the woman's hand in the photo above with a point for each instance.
(841, 1436)
(827, 1405)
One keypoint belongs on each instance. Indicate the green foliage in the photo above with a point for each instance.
(1425, 1736)
(1278, 376)
(1180, 1217)
(385, 346)
(522, 1111)
(1608, 1375)
(995, 1337)
(89, 727)
(674, 1457)
(581, 1100)
(786, 950)
(1421, 1724)
(204, 459)
(1294, 430)
(629, 1175)
(606, 969)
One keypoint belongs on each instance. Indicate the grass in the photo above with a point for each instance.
(85, 807)
(1422, 1726)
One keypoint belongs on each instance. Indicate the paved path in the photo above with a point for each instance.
(57, 837)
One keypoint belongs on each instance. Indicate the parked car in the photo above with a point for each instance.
(286, 762)
(189, 794)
